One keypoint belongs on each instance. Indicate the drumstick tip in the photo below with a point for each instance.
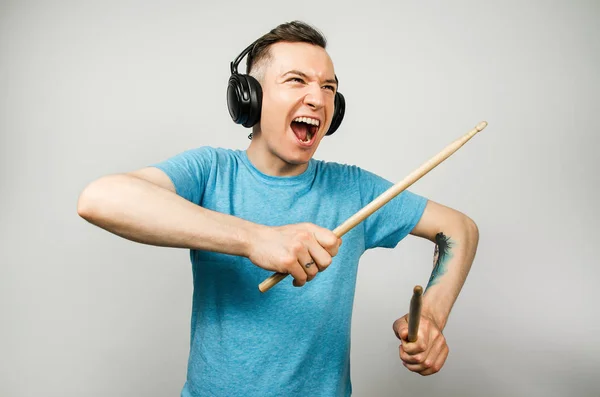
(481, 125)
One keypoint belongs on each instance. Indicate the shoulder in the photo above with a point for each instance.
(200, 161)
(211, 154)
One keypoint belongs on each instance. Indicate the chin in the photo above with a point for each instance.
(293, 156)
(298, 160)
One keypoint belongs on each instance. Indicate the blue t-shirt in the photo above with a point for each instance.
(288, 341)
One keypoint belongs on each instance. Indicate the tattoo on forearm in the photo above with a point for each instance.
(441, 256)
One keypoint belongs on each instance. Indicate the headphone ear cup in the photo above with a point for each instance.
(244, 99)
(256, 95)
(235, 98)
(338, 113)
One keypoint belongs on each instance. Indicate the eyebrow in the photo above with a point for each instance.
(302, 74)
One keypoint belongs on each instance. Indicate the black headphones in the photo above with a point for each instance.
(244, 98)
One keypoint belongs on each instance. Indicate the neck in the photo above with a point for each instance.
(269, 163)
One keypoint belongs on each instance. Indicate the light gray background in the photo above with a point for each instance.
(88, 89)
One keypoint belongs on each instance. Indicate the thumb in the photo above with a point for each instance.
(401, 328)
(404, 333)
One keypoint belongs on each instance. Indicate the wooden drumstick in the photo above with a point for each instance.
(386, 196)
(414, 314)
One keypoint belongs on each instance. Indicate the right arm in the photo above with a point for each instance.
(143, 206)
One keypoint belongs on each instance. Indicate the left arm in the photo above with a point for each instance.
(456, 237)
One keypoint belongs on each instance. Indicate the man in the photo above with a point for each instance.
(272, 208)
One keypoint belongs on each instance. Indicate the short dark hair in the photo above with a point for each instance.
(294, 32)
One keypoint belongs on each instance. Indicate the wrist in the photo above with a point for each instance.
(431, 311)
(250, 234)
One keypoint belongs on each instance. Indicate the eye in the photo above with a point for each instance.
(330, 87)
(296, 79)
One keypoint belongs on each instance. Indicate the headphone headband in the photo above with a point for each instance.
(236, 62)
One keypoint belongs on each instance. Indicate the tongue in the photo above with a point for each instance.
(300, 129)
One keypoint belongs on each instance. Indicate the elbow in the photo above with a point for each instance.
(472, 229)
(92, 199)
(88, 201)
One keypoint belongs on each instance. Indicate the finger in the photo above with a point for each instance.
(423, 337)
(420, 346)
(439, 362)
(416, 363)
(418, 368)
(308, 264)
(327, 239)
(299, 275)
(433, 354)
(416, 359)
(429, 358)
(411, 359)
(319, 254)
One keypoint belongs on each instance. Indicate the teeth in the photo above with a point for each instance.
(307, 120)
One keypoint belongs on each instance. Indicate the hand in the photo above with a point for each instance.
(301, 250)
(427, 355)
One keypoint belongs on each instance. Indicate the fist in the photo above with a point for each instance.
(301, 250)
(428, 353)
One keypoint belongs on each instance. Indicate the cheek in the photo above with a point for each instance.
(276, 108)
(330, 109)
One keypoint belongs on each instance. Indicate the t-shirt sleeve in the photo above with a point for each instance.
(387, 226)
(189, 172)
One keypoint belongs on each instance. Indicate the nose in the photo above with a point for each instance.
(314, 97)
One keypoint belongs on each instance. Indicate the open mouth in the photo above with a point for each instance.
(305, 128)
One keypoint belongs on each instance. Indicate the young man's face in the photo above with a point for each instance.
(299, 81)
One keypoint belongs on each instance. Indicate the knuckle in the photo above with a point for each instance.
(428, 363)
(332, 242)
(324, 264)
(296, 247)
(288, 261)
(303, 235)
(326, 243)
(441, 343)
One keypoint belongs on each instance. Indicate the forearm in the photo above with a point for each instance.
(141, 211)
(454, 254)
